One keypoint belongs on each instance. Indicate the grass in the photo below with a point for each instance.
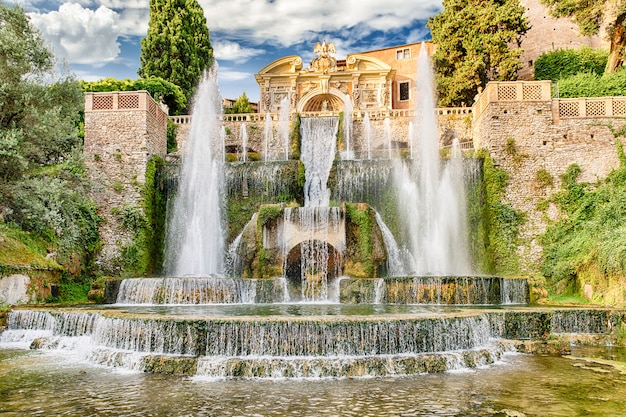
(20, 248)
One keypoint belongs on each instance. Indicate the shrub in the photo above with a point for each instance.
(564, 63)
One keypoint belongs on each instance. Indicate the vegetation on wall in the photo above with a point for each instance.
(361, 218)
(588, 244)
(564, 63)
(474, 45)
(501, 222)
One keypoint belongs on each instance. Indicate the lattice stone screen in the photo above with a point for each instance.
(595, 108)
(569, 109)
(102, 102)
(619, 107)
(128, 101)
(507, 92)
(531, 92)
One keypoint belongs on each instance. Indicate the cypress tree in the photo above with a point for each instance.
(177, 48)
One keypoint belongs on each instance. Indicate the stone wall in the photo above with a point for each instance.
(527, 136)
(122, 131)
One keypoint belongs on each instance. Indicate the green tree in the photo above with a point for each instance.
(38, 117)
(43, 186)
(474, 45)
(591, 17)
(177, 48)
(242, 105)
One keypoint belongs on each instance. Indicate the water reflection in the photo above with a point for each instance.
(36, 383)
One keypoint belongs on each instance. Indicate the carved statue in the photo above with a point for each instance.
(324, 62)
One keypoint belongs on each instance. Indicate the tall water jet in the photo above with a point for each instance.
(243, 138)
(347, 126)
(283, 125)
(267, 136)
(431, 200)
(387, 129)
(195, 238)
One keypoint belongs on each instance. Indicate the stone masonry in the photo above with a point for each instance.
(122, 131)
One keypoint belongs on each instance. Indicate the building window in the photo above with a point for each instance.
(404, 90)
(403, 53)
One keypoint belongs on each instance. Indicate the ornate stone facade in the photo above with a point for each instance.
(373, 81)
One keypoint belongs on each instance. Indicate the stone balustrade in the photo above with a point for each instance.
(125, 101)
(589, 107)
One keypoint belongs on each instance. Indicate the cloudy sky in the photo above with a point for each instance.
(101, 38)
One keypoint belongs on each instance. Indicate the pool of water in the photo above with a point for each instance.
(52, 383)
(281, 309)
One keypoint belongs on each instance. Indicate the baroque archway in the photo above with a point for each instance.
(317, 101)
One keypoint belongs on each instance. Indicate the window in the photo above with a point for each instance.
(403, 53)
(404, 90)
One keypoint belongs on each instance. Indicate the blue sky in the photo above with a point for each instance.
(101, 38)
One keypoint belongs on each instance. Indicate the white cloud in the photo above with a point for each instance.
(232, 51)
(230, 75)
(287, 22)
(80, 35)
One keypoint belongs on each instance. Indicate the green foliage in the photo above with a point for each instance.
(172, 144)
(543, 178)
(20, 248)
(510, 147)
(592, 85)
(160, 90)
(39, 110)
(72, 292)
(177, 47)
(241, 106)
(295, 139)
(564, 63)
(474, 41)
(54, 205)
(267, 213)
(590, 17)
(589, 240)
(501, 221)
(363, 220)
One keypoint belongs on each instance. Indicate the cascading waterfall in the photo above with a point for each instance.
(347, 126)
(387, 133)
(431, 200)
(367, 132)
(267, 136)
(195, 238)
(317, 154)
(243, 138)
(283, 125)
(395, 264)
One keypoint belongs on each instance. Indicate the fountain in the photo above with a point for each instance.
(327, 288)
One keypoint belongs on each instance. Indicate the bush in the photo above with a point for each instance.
(564, 63)
(592, 85)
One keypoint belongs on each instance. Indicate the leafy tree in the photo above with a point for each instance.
(38, 118)
(591, 16)
(242, 105)
(170, 93)
(43, 189)
(474, 39)
(562, 63)
(177, 48)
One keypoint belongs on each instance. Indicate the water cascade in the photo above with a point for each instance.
(387, 133)
(367, 132)
(347, 126)
(195, 238)
(267, 136)
(283, 125)
(243, 138)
